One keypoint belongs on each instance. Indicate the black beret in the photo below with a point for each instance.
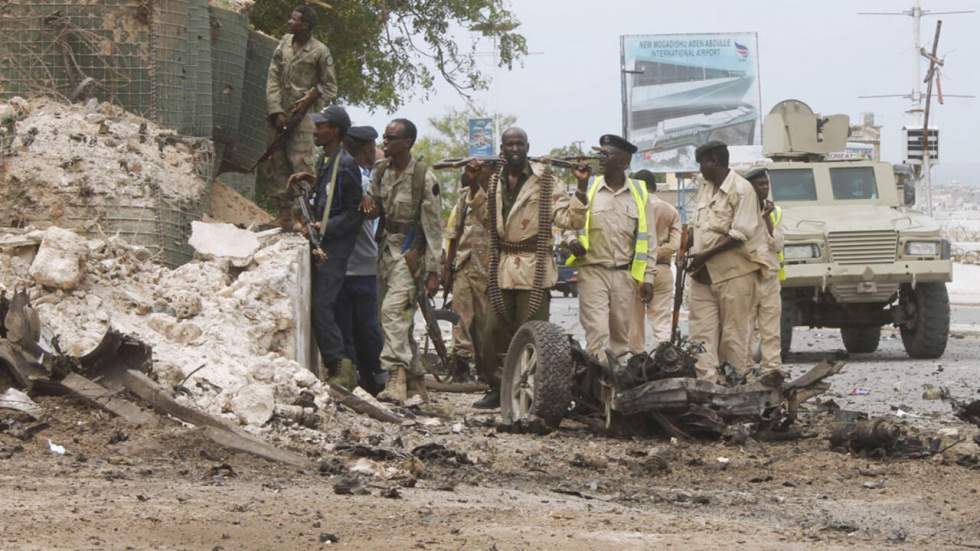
(704, 148)
(363, 133)
(617, 142)
(756, 172)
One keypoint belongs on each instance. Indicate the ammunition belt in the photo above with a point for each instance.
(528, 245)
(542, 246)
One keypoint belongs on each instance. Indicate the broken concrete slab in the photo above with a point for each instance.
(16, 400)
(223, 241)
(254, 404)
(60, 259)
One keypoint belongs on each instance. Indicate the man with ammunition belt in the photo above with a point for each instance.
(406, 196)
(336, 196)
(611, 250)
(658, 310)
(467, 265)
(724, 271)
(524, 202)
(301, 81)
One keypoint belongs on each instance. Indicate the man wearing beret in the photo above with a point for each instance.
(724, 271)
(357, 306)
(659, 309)
(611, 250)
(336, 196)
(768, 307)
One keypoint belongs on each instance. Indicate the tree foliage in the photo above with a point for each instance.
(386, 51)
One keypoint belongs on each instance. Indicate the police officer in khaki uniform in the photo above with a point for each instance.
(611, 252)
(515, 196)
(768, 307)
(405, 194)
(659, 309)
(724, 271)
(467, 230)
(301, 73)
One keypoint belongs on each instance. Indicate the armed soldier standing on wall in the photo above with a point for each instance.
(406, 196)
(611, 252)
(767, 311)
(301, 81)
(469, 266)
(724, 271)
(658, 310)
(524, 202)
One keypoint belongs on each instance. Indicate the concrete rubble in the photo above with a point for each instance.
(236, 325)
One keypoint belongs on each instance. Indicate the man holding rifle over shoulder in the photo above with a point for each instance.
(405, 194)
(301, 81)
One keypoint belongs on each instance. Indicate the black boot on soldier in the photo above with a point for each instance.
(489, 401)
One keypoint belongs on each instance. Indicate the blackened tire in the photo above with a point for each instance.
(543, 390)
(926, 330)
(861, 340)
(787, 315)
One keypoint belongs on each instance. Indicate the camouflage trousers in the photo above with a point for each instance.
(396, 294)
(470, 302)
(298, 156)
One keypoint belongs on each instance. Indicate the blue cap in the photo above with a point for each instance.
(335, 115)
(363, 133)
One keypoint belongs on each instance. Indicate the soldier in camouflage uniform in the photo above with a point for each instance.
(301, 73)
(405, 194)
(470, 266)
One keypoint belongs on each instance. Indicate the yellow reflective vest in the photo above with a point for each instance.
(777, 216)
(639, 265)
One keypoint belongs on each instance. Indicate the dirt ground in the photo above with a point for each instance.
(170, 488)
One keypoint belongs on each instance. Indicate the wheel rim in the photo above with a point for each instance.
(523, 390)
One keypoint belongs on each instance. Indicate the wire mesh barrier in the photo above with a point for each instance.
(184, 64)
(229, 41)
(253, 135)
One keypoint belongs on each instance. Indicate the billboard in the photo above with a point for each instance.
(480, 140)
(682, 90)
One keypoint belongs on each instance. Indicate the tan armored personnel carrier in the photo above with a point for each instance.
(857, 256)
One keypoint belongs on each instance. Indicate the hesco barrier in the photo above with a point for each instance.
(182, 63)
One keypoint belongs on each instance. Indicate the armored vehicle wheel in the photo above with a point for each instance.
(537, 377)
(861, 340)
(786, 327)
(926, 311)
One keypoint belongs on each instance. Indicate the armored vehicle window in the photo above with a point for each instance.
(854, 183)
(793, 185)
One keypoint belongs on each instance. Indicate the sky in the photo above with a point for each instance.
(822, 53)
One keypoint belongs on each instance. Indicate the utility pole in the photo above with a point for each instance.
(917, 113)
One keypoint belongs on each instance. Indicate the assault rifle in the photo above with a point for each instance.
(296, 114)
(426, 306)
(679, 281)
(303, 201)
(560, 162)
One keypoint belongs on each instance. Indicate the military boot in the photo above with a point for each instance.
(416, 387)
(396, 389)
(343, 374)
(460, 370)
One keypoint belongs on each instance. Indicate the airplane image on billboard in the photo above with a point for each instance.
(680, 91)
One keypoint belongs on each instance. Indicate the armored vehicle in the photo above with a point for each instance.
(857, 256)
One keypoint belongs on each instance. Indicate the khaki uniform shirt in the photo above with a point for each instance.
(516, 270)
(768, 247)
(668, 229)
(473, 251)
(393, 191)
(731, 211)
(613, 227)
(295, 71)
